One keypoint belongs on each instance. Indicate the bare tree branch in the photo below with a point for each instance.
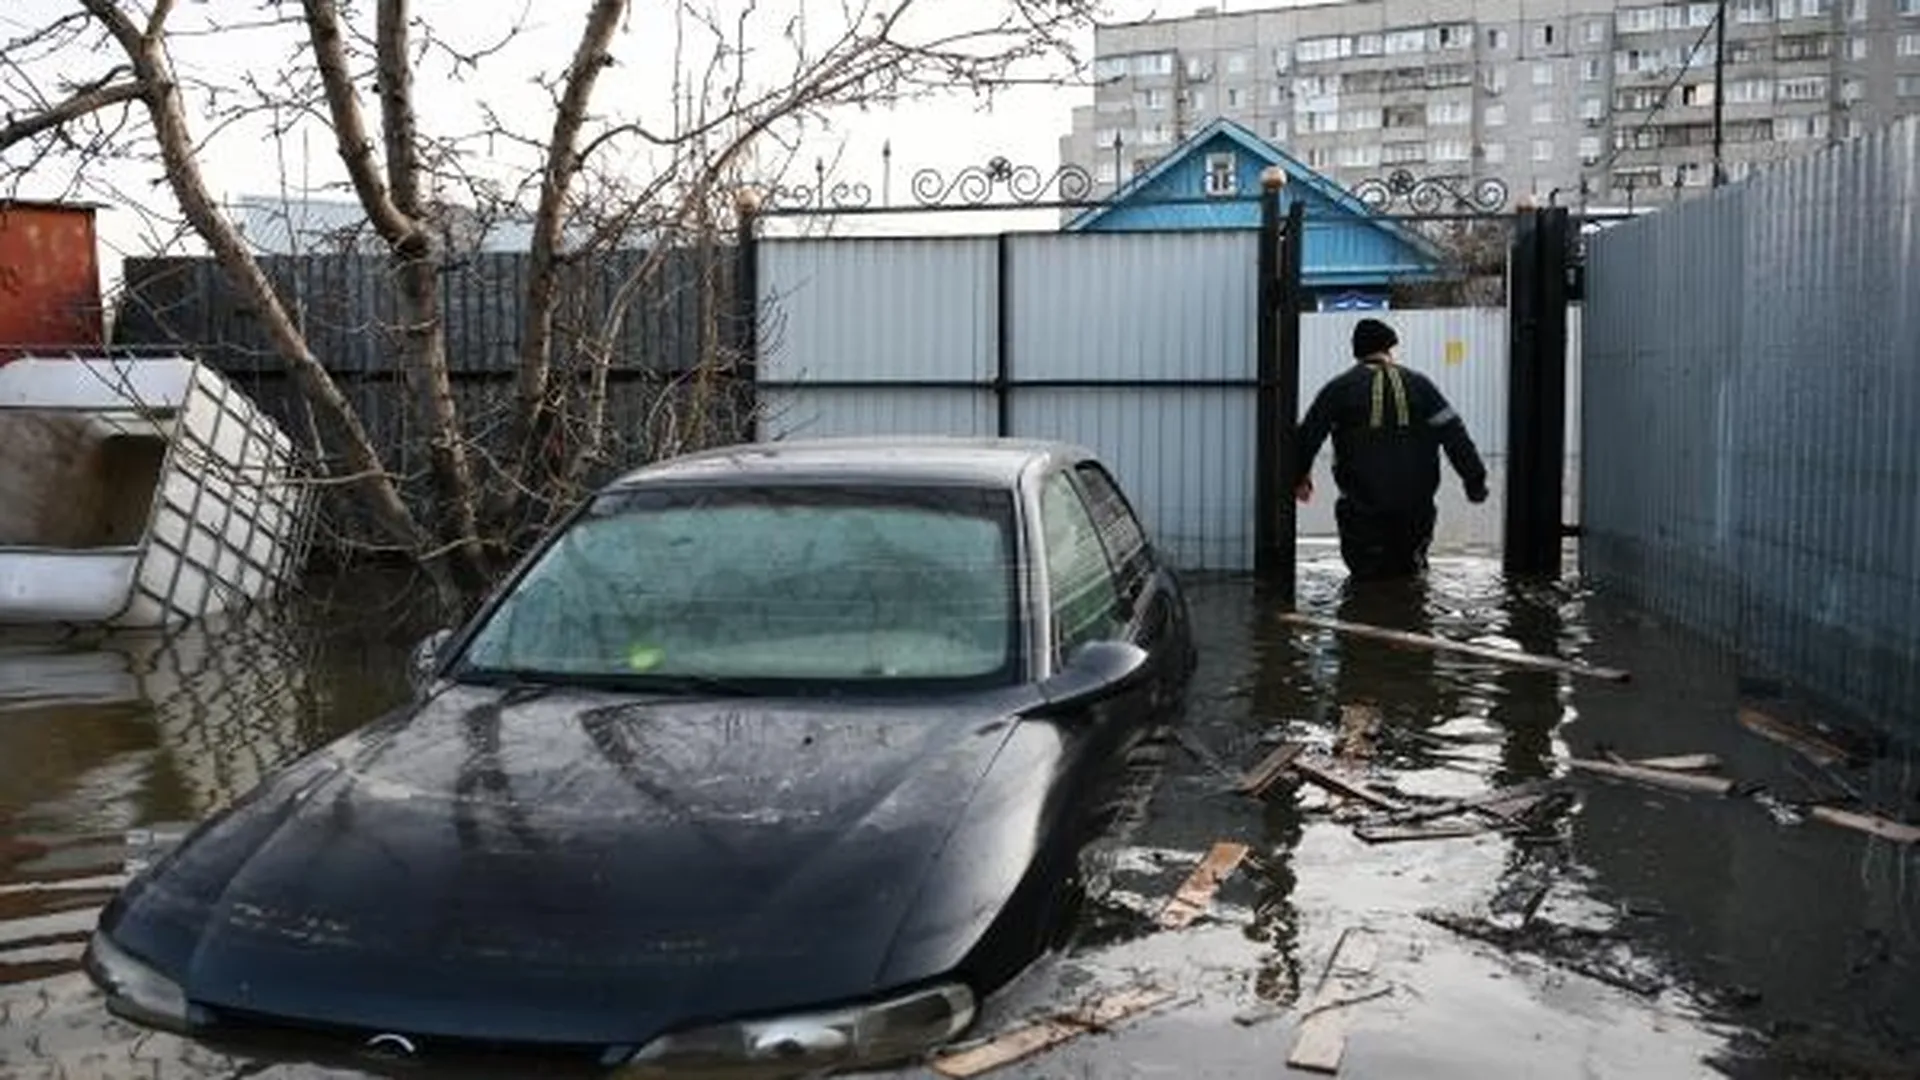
(350, 127)
(73, 108)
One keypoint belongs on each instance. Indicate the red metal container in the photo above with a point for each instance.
(49, 278)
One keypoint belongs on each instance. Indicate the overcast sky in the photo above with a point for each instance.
(1023, 125)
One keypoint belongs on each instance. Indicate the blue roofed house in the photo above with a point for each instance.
(1212, 181)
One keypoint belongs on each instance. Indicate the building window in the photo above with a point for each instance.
(1909, 45)
(1363, 156)
(1449, 112)
(1543, 73)
(1543, 35)
(1805, 88)
(1793, 128)
(1403, 153)
(1909, 7)
(1311, 50)
(1494, 153)
(1153, 64)
(1857, 11)
(1222, 174)
(1233, 97)
(1404, 116)
(1589, 149)
(1277, 130)
(1282, 59)
(1369, 45)
(1750, 92)
(1495, 80)
(1496, 39)
(1457, 36)
(1237, 63)
(1697, 94)
(1320, 157)
(1592, 109)
(1592, 69)
(1197, 100)
(1817, 47)
(1542, 112)
(1106, 138)
(1909, 86)
(1362, 120)
(1196, 67)
(1753, 11)
(1404, 42)
(1596, 31)
(1152, 99)
(1449, 150)
(1496, 116)
(1277, 96)
(1858, 48)
(1156, 135)
(1318, 123)
(1851, 90)
(1543, 149)
(1105, 172)
(1108, 68)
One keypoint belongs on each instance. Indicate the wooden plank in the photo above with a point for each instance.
(1393, 834)
(1708, 785)
(1321, 1040)
(1895, 831)
(1261, 777)
(1512, 657)
(1024, 1042)
(1812, 747)
(1504, 803)
(1680, 763)
(1350, 788)
(1196, 893)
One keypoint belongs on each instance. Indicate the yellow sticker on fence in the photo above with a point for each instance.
(1456, 352)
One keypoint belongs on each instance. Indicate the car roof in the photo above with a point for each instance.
(976, 461)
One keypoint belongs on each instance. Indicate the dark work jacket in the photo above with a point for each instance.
(1388, 425)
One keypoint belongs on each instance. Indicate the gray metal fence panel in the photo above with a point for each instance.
(1752, 375)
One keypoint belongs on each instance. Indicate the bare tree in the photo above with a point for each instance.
(656, 175)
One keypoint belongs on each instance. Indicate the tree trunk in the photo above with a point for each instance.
(177, 151)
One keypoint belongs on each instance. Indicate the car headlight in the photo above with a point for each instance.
(859, 1035)
(135, 990)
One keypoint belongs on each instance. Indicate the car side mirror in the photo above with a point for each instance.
(1096, 670)
(425, 659)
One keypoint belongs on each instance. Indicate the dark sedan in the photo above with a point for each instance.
(776, 754)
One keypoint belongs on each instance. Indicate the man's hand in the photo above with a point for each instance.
(1303, 491)
(1477, 493)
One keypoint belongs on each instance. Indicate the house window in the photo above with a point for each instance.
(1496, 115)
(1495, 80)
(1543, 35)
(1320, 157)
(1277, 130)
(1361, 156)
(1753, 11)
(1909, 45)
(1233, 97)
(1494, 153)
(1197, 100)
(1543, 149)
(1851, 90)
(1858, 48)
(1496, 39)
(1909, 86)
(1448, 150)
(1808, 88)
(1222, 174)
(1402, 42)
(1458, 36)
(1542, 112)
(1592, 110)
(1237, 63)
(1596, 31)
(1196, 67)
(1857, 11)
(1592, 69)
(1362, 120)
(1276, 95)
(1449, 112)
(1403, 153)
(1543, 73)
(1105, 172)
(1153, 64)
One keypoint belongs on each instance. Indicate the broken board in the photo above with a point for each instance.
(1812, 747)
(1677, 781)
(1196, 893)
(1261, 777)
(1352, 789)
(1024, 1042)
(1322, 1038)
(1512, 657)
(1680, 763)
(1894, 831)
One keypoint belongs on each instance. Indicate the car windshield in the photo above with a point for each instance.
(808, 586)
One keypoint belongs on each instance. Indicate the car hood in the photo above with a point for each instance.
(567, 867)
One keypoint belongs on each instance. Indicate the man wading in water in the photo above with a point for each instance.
(1388, 425)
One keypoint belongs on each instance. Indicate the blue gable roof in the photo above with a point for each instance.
(1347, 243)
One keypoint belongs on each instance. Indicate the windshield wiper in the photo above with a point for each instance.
(522, 678)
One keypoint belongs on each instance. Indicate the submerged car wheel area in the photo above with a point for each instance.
(777, 757)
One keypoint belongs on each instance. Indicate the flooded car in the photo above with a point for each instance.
(782, 754)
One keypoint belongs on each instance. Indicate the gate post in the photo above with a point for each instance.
(1537, 391)
(746, 307)
(1277, 408)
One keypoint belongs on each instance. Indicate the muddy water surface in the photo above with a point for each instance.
(1640, 932)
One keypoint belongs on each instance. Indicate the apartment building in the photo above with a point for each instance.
(1585, 100)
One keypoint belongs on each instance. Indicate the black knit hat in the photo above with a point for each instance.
(1371, 336)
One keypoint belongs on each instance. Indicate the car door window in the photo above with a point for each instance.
(1080, 582)
(1125, 539)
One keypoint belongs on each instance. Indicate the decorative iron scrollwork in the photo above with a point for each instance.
(839, 195)
(1432, 194)
(975, 185)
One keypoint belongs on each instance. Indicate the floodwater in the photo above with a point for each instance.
(1640, 931)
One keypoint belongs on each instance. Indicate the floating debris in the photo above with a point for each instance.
(1196, 893)
(1024, 1042)
(1512, 657)
(1322, 1038)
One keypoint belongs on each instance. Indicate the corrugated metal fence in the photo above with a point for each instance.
(1756, 358)
(1140, 346)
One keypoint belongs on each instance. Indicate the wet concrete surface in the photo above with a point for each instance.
(1671, 934)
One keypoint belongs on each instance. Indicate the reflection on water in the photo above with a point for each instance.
(111, 748)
